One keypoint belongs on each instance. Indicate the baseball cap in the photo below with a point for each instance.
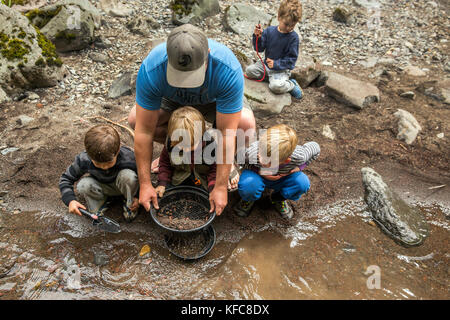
(187, 52)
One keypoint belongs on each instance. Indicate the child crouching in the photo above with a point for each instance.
(282, 173)
(112, 172)
(172, 170)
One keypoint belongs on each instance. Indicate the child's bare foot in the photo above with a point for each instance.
(155, 166)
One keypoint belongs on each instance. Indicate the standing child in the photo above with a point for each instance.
(280, 44)
(275, 162)
(185, 123)
(112, 172)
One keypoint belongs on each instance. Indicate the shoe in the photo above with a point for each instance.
(297, 91)
(104, 207)
(128, 214)
(284, 209)
(243, 208)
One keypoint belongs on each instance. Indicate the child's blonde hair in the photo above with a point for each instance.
(290, 11)
(185, 118)
(279, 136)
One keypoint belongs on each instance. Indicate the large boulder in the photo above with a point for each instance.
(306, 71)
(27, 58)
(351, 92)
(242, 18)
(402, 222)
(193, 11)
(262, 101)
(408, 127)
(69, 24)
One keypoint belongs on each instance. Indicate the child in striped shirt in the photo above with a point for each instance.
(275, 162)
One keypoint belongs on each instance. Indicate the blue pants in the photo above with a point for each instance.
(251, 185)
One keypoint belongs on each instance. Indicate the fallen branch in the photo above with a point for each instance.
(115, 123)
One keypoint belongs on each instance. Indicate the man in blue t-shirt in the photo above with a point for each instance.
(188, 70)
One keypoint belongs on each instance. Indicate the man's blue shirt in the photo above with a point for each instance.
(224, 81)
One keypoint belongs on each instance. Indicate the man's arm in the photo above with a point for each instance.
(227, 124)
(146, 121)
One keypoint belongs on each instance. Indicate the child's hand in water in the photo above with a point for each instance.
(160, 190)
(73, 207)
(258, 30)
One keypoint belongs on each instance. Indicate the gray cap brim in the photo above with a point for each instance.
(186, 79)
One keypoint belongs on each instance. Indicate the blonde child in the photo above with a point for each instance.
(184, 124)
(275, 162)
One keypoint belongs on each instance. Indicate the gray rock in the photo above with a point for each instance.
(306, 71)
(101, 43)
(395, 217)
(414, 71)
(408, 95)
(262, 101)
(194, 11)
(343, 15)
(99, 57)
(121, 86)
(115, 9)
(367, 3)
(5, 151)
(408, 127)
(3, 96)
(351, 92)
(72, 28)
(241, 18)
(142, 25)
(32, 96)
(23, 120)
(327, 132)
(23, 64)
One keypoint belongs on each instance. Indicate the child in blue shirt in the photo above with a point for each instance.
(280, 44)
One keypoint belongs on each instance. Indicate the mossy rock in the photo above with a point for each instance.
(27, 58)
(193, 11)
(40, 18)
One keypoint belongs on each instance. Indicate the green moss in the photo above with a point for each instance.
(40, 62)
(182, 7)
(14, 49)
(40, 18)
(22, 35)
(63, 35)
(48, 49)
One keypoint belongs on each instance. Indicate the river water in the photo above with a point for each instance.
(335, 253)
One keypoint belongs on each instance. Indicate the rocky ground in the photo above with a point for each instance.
(41, 134)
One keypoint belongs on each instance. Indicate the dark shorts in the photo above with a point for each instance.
(207, 110)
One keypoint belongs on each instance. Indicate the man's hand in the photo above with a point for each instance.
(269, 63)
(73, 207)
(160, 190)
(218, 199)
(147, 195)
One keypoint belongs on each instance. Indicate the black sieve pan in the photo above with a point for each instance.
(175, 241)
(180, 203)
